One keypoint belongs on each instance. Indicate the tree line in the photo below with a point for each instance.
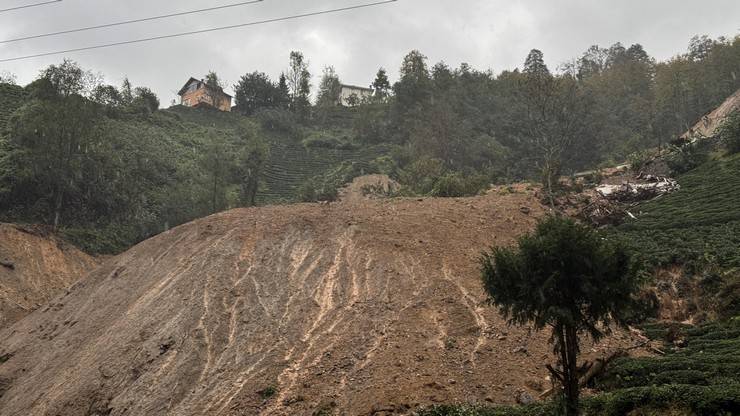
(79, 151)
(455, 130)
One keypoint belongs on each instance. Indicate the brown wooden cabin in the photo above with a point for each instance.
(196, 93)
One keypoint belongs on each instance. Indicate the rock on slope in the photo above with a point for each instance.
(34, 268)
(359, 307)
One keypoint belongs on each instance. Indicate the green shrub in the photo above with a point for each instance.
(700, 400)
(328, 141)
(639, 160)
(455, 184)
(687, 157)
(536, 409)
(710, 357)
(385, 165)
(267, 392)
(430, 177)
(315, 190)
(326, 187)
(421, 176)
(279, 120)
(110, 239)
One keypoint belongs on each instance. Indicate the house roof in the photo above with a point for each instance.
(709, 123)
(355, 87)
(190, 81)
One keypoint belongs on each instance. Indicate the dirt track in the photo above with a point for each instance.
(36, 269)
(360, 307)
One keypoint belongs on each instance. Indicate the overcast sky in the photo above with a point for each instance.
(488, 34)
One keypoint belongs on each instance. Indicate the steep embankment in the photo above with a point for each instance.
(359, 306)
(34, 268)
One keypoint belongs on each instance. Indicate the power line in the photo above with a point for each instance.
(195, 32)
(126, 22)
(26, 6)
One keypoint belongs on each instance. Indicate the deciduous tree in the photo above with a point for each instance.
(299, 83)
(329, 89)
(255, 91)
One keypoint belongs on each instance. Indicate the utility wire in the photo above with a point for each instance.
(195, 32)
(126, 22)
(26, 6)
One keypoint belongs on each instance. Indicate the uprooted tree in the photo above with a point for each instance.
(566, 277)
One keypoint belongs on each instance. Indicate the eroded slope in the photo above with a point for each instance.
(358, 307)
(34, 269)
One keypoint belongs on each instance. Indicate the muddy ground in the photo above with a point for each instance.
(35, 267)
(359, 307)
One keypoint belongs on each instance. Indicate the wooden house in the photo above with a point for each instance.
(196, 93)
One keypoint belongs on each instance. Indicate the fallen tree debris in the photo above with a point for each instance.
(637, 192)
(611, 204)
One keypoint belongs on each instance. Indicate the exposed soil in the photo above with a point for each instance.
(34, 268)
(366, 306)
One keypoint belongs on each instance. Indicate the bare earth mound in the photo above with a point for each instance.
(359, 307)
(35, 268)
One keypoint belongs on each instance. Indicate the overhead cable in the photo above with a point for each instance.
(195, 32)
(27, 6)
(127, 22)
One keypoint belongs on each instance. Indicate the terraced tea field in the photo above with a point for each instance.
(702, 219)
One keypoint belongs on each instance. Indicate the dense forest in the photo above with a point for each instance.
(107, 167)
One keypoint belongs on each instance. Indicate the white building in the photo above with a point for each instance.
(352, 95)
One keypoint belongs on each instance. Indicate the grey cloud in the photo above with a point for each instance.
(485, 33)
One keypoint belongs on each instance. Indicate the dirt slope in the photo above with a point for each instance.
(360, 307)
(709, 123)
(34, 268)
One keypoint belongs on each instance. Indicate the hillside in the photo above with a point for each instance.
(151, 171)
(289, 163)
(700, 221)
(364, 306)
(35, 268)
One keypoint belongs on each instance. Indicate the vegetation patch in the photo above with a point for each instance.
(700, 221)
(702, 378)
(267, 392)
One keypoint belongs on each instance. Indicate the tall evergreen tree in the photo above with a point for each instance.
(381, 85)
(534, 65)
(283, 92)
(565, 277)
